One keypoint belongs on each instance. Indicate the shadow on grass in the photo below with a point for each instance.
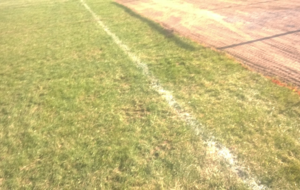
(289, 107)
(168, 33)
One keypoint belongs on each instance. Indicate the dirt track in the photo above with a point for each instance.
(265, 35)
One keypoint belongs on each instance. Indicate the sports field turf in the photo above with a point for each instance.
(77, 113)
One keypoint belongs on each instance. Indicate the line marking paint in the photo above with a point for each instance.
(214, 148)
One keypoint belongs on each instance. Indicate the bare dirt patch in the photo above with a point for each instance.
(264, 35)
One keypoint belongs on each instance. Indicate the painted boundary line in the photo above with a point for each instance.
(215, 148)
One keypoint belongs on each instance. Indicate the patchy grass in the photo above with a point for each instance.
(75, 112)
(258, 120)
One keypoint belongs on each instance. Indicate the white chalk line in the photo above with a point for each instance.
(214, 147)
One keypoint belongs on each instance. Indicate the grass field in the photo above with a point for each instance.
(76, 112)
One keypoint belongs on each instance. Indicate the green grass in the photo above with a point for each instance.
(76, 113)
(255, 118)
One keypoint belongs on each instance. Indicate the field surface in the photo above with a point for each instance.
(265, 35)
(95, 96)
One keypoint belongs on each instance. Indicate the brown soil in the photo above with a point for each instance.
(264, 35)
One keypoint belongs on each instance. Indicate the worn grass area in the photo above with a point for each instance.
(75, 112)
(258, 120)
